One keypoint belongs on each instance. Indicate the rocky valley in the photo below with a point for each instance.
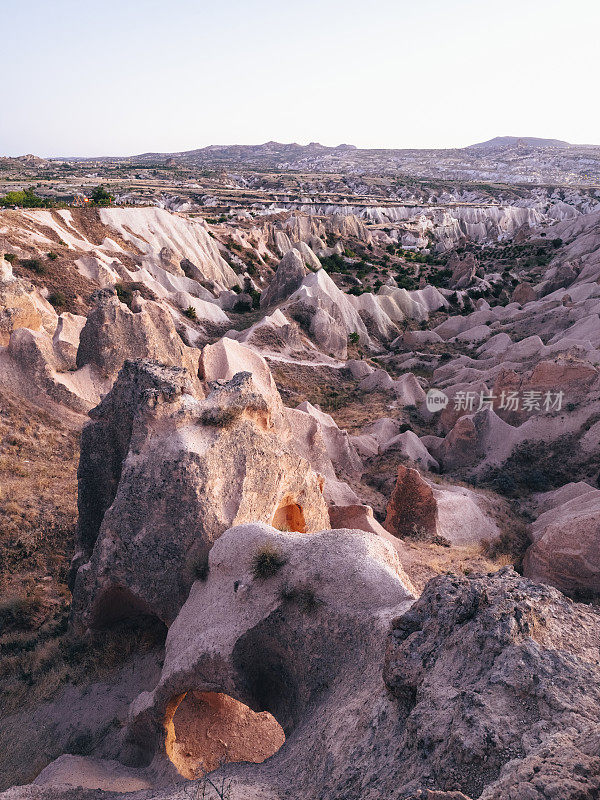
(300, 474)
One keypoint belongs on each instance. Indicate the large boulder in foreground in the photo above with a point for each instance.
(566, 543)
(294, 641)
(489, 686)
(163, 473)
(500, 682)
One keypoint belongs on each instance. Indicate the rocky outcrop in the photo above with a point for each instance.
(114, 332)
(488, 688)
(167, 239)
(523, 293)
(17, 305)
(290, 274)
(346, 461)
(163, 473)
(412, 509)
(326, 314)
(463, 270)
(422, 510)
(500, 682)
(292, 643)
(566, 544)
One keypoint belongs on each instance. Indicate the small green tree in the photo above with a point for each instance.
(100, 197)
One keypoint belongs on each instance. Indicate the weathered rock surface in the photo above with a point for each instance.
(421, 509)
(17, 305)
(326, 314)
(163, 473)
(489, 687)
(290, 274)
(566, 544)
(292, 644)
(500, 682)
(113, 332)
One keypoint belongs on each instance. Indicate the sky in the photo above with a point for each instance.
(108, 77)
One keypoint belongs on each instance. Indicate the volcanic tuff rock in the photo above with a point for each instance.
(18, 307)
(499, 679)
(489, 685)
(566, 542)
(163, 473)
(326, 314)
(290, 274)
(419, 508)
(113, 332)
(296, 644)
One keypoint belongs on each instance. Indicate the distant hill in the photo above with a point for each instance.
(517, 141)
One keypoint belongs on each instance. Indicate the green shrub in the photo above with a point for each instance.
(242, 306)
(266, 562)
(10, 257)
(52, 255)
(100, 197)
(190, 313)
(34, 264)
(25, 198)
(57, 299)
(353, 338)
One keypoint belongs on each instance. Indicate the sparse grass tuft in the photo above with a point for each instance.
(266, 562)
(303, 595)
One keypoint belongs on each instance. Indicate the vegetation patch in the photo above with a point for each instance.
(266, 562)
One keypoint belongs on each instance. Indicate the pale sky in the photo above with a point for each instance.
(120, 77)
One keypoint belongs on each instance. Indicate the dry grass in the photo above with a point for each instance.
(336, 393)
(38, 511)
(38, 480)
(38, 465)
(423, 561)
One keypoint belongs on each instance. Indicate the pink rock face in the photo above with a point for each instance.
(412, 505)
(571, 377)
(566, 548)
(523, 293)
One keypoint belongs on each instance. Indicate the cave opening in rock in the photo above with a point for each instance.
(208, 729)
(289, 517)
(118, 607)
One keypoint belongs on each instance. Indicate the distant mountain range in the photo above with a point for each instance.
(519, 141)
(503, 159)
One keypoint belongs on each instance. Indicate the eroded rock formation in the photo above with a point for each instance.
(163, 473)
